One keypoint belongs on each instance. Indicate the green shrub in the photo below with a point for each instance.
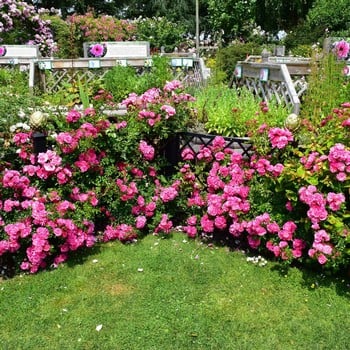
(65, 35)
(231, 112)
(121, 80)
(303, 35)
(227, 57)
(159, 31)
(327, 87)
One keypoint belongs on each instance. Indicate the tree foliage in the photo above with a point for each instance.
(273, 15)
(231, 18)
(332, 18)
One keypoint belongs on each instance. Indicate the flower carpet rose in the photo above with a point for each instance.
(285, 201)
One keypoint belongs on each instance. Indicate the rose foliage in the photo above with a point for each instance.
(105, 179)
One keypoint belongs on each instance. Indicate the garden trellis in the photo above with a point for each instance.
(279, 78)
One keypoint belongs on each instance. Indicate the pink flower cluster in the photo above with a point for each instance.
(165, 225)
(313, 161)
(146, 150)
(317, 203)
(86, 160)
(321, 248)
(280, 138)
(122, 232)
(339, 161)
(264, 167)
(43, 220)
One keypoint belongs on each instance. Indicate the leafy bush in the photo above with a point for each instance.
(160, 32)
(22, 24)
(94, 28)
(327, 87)
(121, 80)
(230, 112)
(65, 37)
(15, 104)
(227, 57)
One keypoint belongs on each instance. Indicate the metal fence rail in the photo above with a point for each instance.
(196, 141)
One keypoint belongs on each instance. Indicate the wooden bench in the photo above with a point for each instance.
(122, 49)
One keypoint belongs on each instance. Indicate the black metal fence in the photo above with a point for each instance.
(196, 141)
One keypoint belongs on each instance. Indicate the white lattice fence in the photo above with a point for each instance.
(273, 81)
(53, 81)
(55, 74)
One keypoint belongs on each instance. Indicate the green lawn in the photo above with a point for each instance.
(172, 294)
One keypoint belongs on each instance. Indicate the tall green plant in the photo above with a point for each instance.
(230, 112)
(327, 87)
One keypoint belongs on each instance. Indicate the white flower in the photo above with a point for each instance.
(99, 327)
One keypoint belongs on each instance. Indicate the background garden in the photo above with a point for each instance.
(278, 218)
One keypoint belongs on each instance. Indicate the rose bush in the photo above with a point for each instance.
(16, 15)
(95, 172)
(103, 179)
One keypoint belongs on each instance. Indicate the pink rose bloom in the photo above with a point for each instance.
(146, 150)
(192, 220)
(236, 229)
(64, 137)
(253, 241)
(277, 169)
(341, 176)
(187, 154)
(191, 231)
(207, 224)
(342, 49)
(335, 200)
(279, 138)
(297, 253)
(82, 165)
(169, 110)
(73, 116)
(141, 222)
(218, 142)
(321, 236)
(165, 225)
(220, 222)
(289, 206)
(172, 85)
(275, 249)
(273, 227)
(168, 194)
(322, 259)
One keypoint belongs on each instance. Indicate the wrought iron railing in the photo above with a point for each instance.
(196, 141)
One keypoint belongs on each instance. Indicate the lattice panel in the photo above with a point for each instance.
(189, 76)
(58, 78)
(55, 79)
(273, 89)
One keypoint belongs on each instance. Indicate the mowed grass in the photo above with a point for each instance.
(172, 293)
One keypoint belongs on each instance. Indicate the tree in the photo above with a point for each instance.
(273, 15)
(108, 7)
(232, 19)
(331, 18)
